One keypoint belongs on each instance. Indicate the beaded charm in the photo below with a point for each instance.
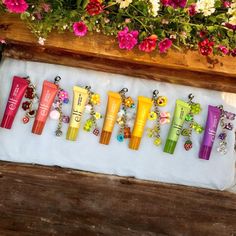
(124, 117)
(159, 117)
(226, 126)
(91, 123)
(57, 114)
(28, 105)
(190, 123)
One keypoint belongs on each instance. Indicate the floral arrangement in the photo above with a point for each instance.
(205, 25)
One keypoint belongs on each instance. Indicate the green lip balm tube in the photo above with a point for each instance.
(181, 110)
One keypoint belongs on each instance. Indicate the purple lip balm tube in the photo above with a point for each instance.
(213, 118)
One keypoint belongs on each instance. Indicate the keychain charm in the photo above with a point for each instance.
(195, 109)
(28, 106)
(91, 123)
(124, 117)
(62, 97)
(159, 117)
(226, 125)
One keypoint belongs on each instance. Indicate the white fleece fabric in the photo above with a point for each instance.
(148, 163)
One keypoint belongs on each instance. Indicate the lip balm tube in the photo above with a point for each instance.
(19, 86)
(48, 95)
(113, 107)
(213, 119)
(79, 101)
(144, 107)
(181, 110)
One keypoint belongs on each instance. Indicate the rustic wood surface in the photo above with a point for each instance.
(100, 52)
(36, 200)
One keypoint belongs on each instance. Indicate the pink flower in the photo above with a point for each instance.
(127, 40)
(192, 9)
(38, 15)
(46, 7)
(80, 29)
(226, 4)
(223, 49)
(164, 45)
(148, 44)
(16, 6)
(2, 41)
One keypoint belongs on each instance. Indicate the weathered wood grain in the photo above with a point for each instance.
(99, 52)
(36, 200)
(175, 76)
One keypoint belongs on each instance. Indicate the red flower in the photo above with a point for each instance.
(94, 7)
(206, 47)
(202, 33)
(148, 44)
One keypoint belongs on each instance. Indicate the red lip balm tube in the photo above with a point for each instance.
(48, 95)
(18, 88)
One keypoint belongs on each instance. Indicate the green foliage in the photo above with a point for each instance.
(172, 23)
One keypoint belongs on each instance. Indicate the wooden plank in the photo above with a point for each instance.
(102, 53)
(175, 76)
(36, 200)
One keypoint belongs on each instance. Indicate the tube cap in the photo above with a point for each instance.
(7, 121)
(170, 146)
(38, 127)
(72, 133)
(205, 152)
(134, 142)
(105, 137)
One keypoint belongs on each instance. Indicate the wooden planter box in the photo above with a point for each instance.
(36, 200)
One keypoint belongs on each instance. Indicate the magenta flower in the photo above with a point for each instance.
(165, 2)
(223, 49)
(127, 40)
(230, 26)
(177, 3)
(233, 52)
(46, 7)
(164, 45)
(192, 9)
(16, 6)
(80, 29)
(174, 3)
(226, 4)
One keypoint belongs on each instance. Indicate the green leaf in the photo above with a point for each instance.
(211, 29)
(78, 3)
(85, 3)
(24, 15)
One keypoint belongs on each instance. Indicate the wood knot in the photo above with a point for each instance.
(4, 26)
(212, 62)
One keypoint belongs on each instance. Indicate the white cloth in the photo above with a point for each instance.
(149, 162)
